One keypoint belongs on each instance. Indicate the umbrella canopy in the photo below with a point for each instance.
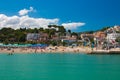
(23, 45)
(39, 45)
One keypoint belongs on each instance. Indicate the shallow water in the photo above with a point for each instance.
(59, 67)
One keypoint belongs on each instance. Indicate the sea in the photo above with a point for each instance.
(59, 66)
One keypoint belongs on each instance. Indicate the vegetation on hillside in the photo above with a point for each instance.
(9, 35)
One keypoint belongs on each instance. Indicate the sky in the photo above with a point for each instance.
(76, 15)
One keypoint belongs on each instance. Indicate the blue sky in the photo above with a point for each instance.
(95, 14)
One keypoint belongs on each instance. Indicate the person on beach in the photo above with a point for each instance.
(11, 53)
(92, 46)
(35, 50)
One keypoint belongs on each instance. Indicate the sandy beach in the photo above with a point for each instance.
(50, 49)
(55, 49)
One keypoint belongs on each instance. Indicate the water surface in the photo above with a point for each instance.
(59, 67)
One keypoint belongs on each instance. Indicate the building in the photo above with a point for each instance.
(112, 37)
(99, 39)
(113, 29)
(43, 37)
(37, 37)
(69, 38)
(117, 28)
(86, 36)
(99, 34)
(33, 36)
(86, 39)
(55, 37)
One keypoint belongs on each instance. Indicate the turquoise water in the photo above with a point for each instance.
(59, 67)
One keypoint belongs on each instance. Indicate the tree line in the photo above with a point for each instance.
(9, 35)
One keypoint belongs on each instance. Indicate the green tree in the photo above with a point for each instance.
(118, 39)
(105, 28)
(64, 43)
(74, 33)
(69, 31)
(36, 30)
(54, 43)
(41, 29)
(49, 26)
(22, 37)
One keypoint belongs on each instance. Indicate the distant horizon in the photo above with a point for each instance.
(76, 15)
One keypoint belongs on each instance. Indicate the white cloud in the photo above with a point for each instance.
(24, 20)
(16, 22)
(25, 11)
(73, 25)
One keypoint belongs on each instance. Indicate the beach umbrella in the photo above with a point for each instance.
(28, 45)
(39, 45)
(1, 44)
(15, 45)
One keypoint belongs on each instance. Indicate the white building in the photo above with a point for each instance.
(112, 37)
(117, 28)
(32, 36)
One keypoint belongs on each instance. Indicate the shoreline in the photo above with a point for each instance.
(50, 49)
(106, 52)
(59, 50)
